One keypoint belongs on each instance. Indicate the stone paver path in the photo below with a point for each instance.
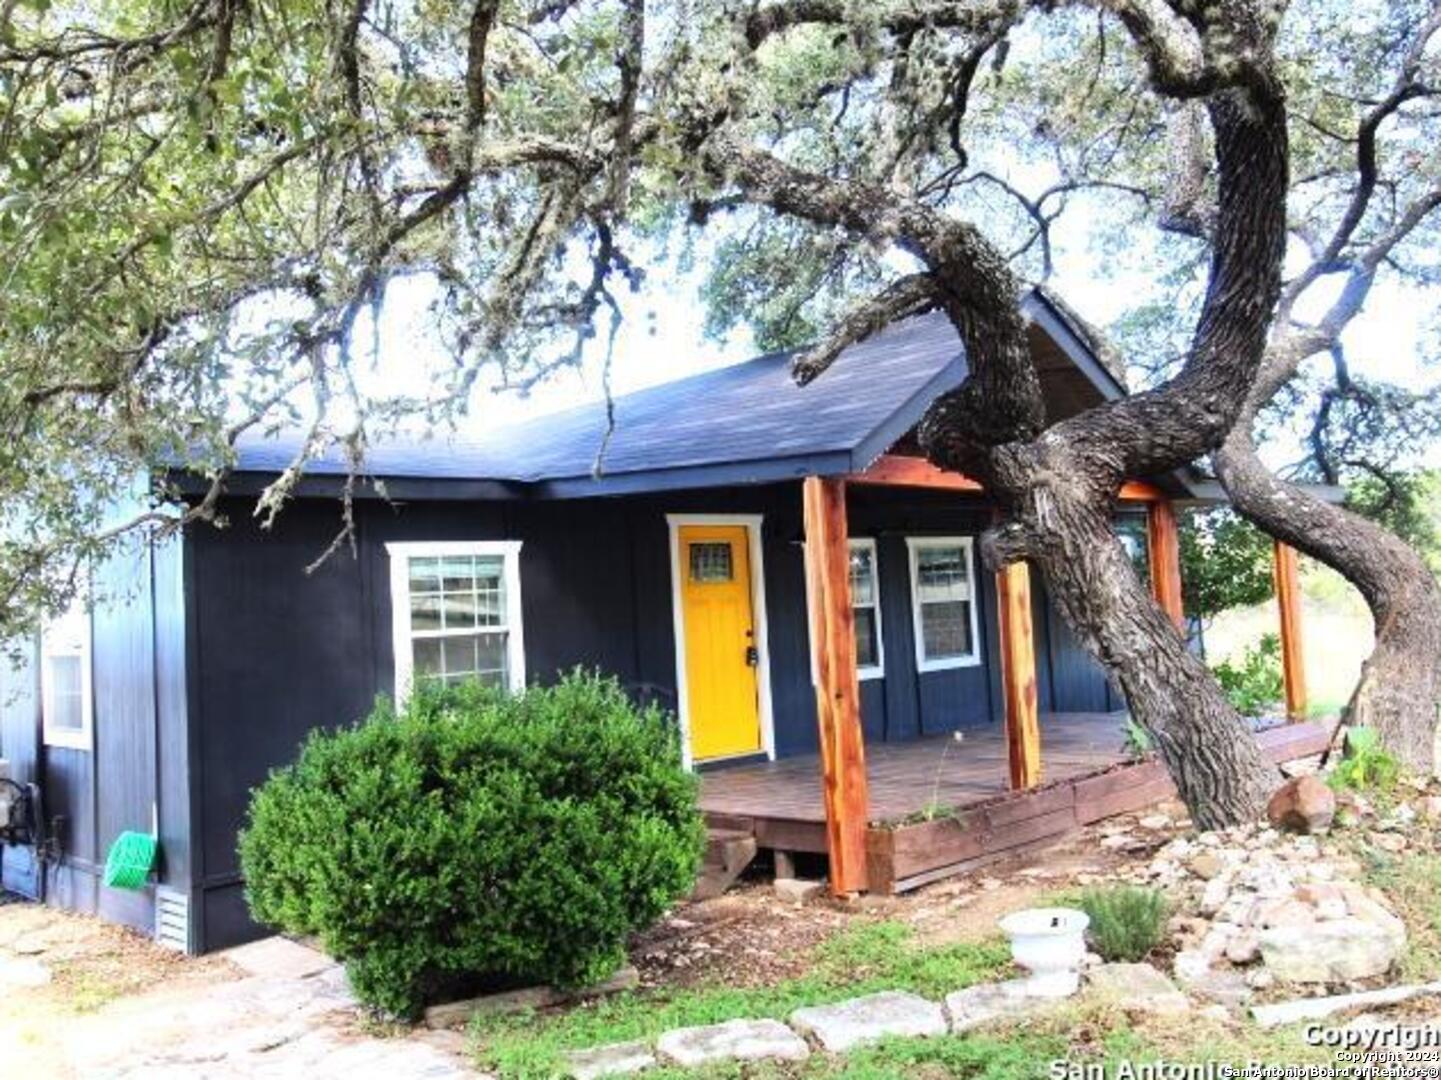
(866, 1019)
(734, 1040)
(292, 1015)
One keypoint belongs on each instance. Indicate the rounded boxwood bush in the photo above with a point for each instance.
(475, 838)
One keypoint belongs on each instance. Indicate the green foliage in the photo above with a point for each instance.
(1138, 742)
(1365, 765)
(1226, 562)
(1127, 921)
(475, 835)
(1413, 886)
(1254, 682)
(860, 959)
(1409, 504)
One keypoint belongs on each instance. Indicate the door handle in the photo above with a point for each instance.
(753, 656)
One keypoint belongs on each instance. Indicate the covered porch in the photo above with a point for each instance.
(893, 816)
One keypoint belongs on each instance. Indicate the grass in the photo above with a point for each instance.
(1413, 884)
(858, 960)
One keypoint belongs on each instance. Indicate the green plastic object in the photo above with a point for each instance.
(130, 861)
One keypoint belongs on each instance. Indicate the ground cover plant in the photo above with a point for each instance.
(475, 839)
(1127, 921)
(861, 959)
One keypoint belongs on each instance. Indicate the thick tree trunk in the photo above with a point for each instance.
(1064, 523)
(1400, 682)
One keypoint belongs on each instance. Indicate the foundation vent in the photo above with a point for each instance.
(172, 919)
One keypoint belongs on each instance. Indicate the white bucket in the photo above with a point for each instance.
(1050, 943)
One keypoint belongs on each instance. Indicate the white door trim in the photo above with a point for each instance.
(752, 524)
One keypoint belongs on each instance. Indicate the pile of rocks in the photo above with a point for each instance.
(1270, 907)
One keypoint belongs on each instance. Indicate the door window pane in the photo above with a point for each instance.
(710, 562)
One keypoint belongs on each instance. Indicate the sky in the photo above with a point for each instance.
(662, 338)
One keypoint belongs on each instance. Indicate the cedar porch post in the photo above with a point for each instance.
(1163, 544)
(1018, 675)
(1288, 599)
(838, 709)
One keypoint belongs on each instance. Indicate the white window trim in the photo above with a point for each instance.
(878, 669)
(70, 738)
(752, 523)
(402, 552)
(914, 545)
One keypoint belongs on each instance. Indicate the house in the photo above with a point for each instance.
(774, 564)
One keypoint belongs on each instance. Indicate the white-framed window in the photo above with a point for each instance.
(866, 607)
(866, 603)
(67, 699)
(943, 601)
(455, 612)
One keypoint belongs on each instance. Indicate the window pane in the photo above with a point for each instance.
(425, 613)
(457, 573)
(942, 574)
(1131, 530)
(867, 654)
(459, 611)
(67, 695)
(710, 562)
(946, 629)
(490, 591)
(428, 657)
(424, 575)
(863, 588)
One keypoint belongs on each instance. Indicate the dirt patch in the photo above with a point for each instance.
(749, 937)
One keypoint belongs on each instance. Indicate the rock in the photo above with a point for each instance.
(1137, 988)
(1395, 843)
(617, 1059)
(1214, 896)
(1206, 865)
(1362, 905)
(1216, 1013)
(734, 1040)
(452, 1014)
(1318, 894)
(1155, 822)
(1431, 807)
(1260, 978)
(980, 1004)
(1287, 911)
(1335, 951)
(1332, 909)
(1116, 841)
(278, 958)
(860, 1020)
(1193, 971)
(798, 890)
(23, 972)
(1243, 948)
(1303, 804)
(1291, 1012)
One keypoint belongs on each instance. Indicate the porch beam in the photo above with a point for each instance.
(838, 708)
(1288, 599)
(1163, 547)
(906, 470)
(1018, 675)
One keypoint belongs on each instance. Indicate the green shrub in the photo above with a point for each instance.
(1254, 683)
(476, 839)
(1127, 921)
(1365, 765)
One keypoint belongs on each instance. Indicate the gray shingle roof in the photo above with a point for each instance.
(749, 421)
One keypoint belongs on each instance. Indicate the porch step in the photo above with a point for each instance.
(727, 853)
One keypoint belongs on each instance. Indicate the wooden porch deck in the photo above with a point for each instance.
(939, 805)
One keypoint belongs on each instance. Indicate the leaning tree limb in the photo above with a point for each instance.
(1400, 686)
(1058, 484)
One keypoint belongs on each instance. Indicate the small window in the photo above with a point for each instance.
(710, 563)
(943, 602)
(866, 600)
(866, 606)
(1132, 532)
(456, 613)
(66, 699)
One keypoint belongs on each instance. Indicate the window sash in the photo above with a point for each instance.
(943, 574)
(455, 611)
(67, 704)
(877, 668)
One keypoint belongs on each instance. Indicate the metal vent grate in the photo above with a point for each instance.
(172, 919)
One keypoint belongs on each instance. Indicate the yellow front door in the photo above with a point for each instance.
(720, 644)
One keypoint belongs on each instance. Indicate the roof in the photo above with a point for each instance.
(746, 423)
